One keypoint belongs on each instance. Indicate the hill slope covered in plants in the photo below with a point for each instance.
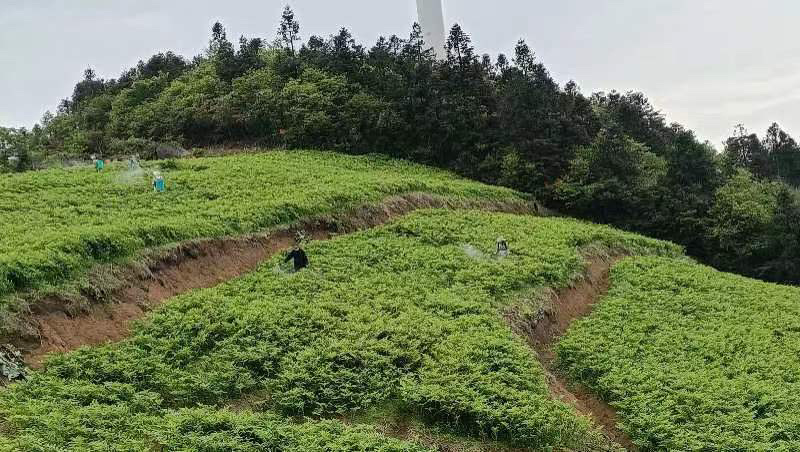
(693, 359)
(57, 223)
(406, 316)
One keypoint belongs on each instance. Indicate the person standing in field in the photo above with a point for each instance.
(502, 247)
(298, 255)
(99, 164)
(158, 182)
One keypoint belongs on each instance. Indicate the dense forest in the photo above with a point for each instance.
(609, 157)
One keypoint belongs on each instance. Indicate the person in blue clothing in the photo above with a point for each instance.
(99, 164)
(158, 182)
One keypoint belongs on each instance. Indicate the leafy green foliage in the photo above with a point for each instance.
(611, 178)
(692, 358)
(742, 213)
(506, 122)
(400, 313)
(75, 217)
(203, 429)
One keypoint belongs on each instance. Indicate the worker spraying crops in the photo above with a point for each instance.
(159, 185)
(99, 164)
(502, 247)
(298, 255)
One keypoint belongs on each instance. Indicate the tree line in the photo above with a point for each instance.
(607, 157)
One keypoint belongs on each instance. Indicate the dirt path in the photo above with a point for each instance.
(201, 264)
(566, 306)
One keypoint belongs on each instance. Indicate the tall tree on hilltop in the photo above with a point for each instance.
(465, 107)
(289, 30)
(784, 155)
(524, 58)
(540, 125)
(87, 88)
(745, 150)
(460, 52)
(417, 106)
(415, 45)
(222, 53)
(346, 53)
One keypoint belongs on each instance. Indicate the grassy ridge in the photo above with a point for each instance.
(407, 313)
(56, 223)
(694, 359)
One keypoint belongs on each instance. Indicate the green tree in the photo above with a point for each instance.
(254, 104)
(784, 155)
(289, 30)
(782, 239)
(613, 180)
(222, 53)
(310, 109)
(743, 211)
(745, 150)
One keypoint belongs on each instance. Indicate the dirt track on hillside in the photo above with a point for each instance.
(566, 306)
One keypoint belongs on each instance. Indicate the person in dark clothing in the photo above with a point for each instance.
(299, 256)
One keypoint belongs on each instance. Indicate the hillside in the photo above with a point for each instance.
(694, 359)
(138, 320)
(608, 157)
(59, 223)
(405, 318)
(407, 332)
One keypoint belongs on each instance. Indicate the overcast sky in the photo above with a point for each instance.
(708, 64)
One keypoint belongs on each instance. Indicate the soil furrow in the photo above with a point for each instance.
(564, 307)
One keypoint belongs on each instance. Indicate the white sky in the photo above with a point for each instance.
(709, 64)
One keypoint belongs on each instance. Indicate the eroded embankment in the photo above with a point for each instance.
(108, 312)
(544, 331)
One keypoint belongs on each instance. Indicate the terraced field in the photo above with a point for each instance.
(405, 318)
(57, 224)
(693, 359)
(408, 336)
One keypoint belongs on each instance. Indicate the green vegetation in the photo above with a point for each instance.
(606, 157)
(692, 358)
(405, 314)
(57, 223)
(207, 430)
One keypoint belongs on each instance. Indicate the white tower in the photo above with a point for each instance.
(431, 19)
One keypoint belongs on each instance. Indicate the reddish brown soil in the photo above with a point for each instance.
(200, 264)
(568, 305)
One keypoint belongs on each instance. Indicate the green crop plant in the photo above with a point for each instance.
(401, 314)
(692, 358)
